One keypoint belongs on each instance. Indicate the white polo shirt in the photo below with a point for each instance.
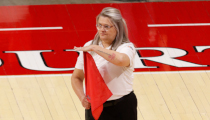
(118, 79)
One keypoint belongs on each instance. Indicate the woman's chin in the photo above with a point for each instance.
(103, 37)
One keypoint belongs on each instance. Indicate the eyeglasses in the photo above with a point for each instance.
(106, 27)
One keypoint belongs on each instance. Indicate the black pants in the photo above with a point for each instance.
(125, 109)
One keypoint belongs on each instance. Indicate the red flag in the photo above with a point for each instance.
(97, 91)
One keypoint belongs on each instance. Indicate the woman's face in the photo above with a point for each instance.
(106, 29)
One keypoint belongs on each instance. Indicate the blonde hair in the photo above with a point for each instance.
(116, 18)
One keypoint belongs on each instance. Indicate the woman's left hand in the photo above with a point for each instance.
(86, 48)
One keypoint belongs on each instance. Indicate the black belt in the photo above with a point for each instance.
(114, 102)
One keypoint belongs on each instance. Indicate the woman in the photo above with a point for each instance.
(114, 57)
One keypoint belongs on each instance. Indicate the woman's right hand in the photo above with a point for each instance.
(85, 103)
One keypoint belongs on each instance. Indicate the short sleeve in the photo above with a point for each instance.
(129, 50)
(80, 61)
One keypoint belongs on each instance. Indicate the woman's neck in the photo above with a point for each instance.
(106, 43)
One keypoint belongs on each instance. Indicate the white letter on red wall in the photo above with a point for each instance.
(1, 63)
(201, 48)
(169, 57)
(33, 60)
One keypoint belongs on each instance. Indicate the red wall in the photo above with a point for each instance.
(184, 47)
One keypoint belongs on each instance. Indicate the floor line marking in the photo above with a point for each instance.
(30, 28)
(175, 25)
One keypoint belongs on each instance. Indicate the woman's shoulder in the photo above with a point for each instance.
(127, 44)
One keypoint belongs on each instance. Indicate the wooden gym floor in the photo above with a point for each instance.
(161, 96)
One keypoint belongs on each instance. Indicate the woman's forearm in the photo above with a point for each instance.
(77, 83)
(77, 86)
(119, 59)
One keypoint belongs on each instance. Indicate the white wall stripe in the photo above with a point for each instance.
(30, 28)
(163, 72)
(47, 75)
(44, 75)
(175, 25)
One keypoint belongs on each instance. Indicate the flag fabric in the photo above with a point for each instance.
(97, 91)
